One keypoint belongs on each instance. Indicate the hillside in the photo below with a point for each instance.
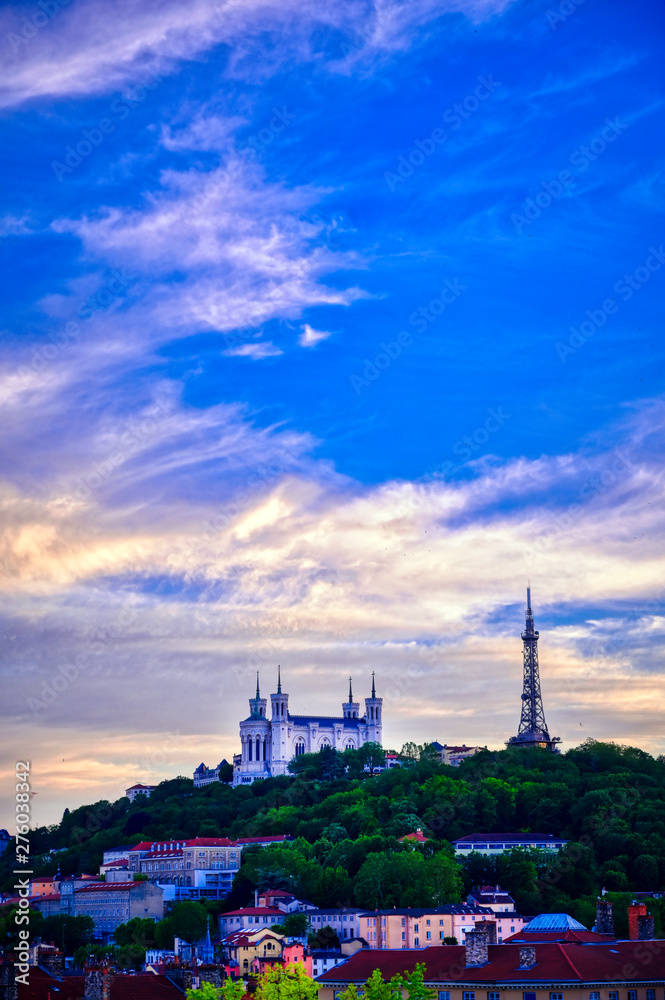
(609, 801)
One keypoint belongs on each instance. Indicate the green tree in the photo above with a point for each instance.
(189, 921)
(293, 925)
(69, 933)
(289, 982)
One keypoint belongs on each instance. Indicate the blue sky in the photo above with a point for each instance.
(326, 330)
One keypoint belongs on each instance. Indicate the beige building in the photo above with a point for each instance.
(422, 928)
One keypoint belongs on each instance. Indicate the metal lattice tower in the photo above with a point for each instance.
(532, 730)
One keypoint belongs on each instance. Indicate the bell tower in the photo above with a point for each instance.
(373, 715)
(279, 725)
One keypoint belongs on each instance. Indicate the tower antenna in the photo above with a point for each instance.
(532, 730)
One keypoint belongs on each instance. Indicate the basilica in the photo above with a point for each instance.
(269, 744)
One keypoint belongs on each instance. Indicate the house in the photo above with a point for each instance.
(244, 946)
(117, 853)
(48, 905)
(497, 843)
(44, 885)
(492, 897)
(208, 775)
(117, 871)
(541, 971)
(139, 789)
(417, 837)
(453, 756)
(249, 918)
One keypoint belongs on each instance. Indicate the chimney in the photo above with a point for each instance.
(476, 949)
(646, 928)
(97, 982)
(604, 918)
(527, 956)
(489, 926)
(50, 960)
(635, 910)
(8, 984)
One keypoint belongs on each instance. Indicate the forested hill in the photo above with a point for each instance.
(608, 800)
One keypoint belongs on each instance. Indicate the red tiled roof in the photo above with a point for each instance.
(254, 911)
(416, 835)
(531, 937)
(48, 895)
(144, 986)
(132, 787)
(120, 863)
(107, 886)
(574, 962)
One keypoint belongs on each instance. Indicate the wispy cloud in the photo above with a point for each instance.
(310, 337)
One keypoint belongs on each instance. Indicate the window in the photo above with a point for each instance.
(595, 995)
(299, 747)
(416, 928)
(493, 995)
(528, 996)
(416, 942)
(632, 994)
(440, 923)
(651, 995)
(441, 935)
(403, 921)
(556, 996)
(444, 994)
(469, 996)
(427, 922)
(403, 935)
(429, 934)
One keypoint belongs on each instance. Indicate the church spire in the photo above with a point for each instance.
(279, 679)
(373, 688)
(258, 693)
(350, 692)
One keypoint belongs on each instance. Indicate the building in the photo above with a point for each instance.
(5, 840)
(454, 755)
(68, 887)
(117, 853)
(249, 918)
(532, 730)
(423, 927)
(110, 904)
(48, 905)
(244, 946)
(493, 898)
(323, 961)
(200, 868)
(44, 885)
(346, 922)
(208, 775)
(497, 843)
(98, 983)
(139, 789)
(268, 745)
(541, 971)
(117, 871)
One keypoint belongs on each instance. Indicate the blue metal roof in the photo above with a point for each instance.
(325, 721)
(553, 922)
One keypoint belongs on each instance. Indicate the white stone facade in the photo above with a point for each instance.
(268, 745)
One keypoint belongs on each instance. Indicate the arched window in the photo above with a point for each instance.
(258, 748)
(325, 742)
(250, 744)
(264, 749)
(299, 747)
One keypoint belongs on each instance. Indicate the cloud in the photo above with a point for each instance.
(309, 336)
(93, 47)
(264, 349)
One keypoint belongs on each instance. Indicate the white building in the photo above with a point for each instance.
(497, 843)
(139, 789)
(268, 745)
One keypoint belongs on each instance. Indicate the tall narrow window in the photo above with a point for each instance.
(249, 748)
(258, 748)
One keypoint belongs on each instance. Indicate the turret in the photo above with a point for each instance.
(351, 708)
(279, 701)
